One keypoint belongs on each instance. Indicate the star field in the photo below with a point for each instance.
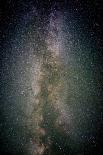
(51, 78)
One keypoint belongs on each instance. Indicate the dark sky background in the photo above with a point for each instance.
(83, 17)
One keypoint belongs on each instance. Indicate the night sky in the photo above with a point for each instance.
(51, 77)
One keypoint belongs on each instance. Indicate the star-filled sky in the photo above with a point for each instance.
(51, 77)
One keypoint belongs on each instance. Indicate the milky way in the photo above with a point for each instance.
(50, 84)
